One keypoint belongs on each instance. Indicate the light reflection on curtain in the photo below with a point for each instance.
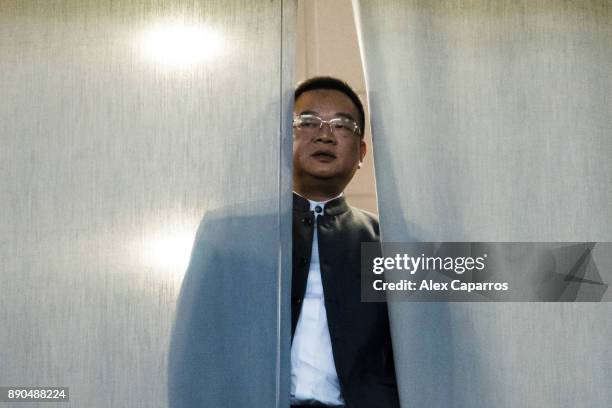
(121, 124)
(492, 121)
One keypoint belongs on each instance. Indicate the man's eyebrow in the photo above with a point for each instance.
(338, 114)
(346, 115)
(309, 112)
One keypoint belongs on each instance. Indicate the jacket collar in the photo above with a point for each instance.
(336, 206)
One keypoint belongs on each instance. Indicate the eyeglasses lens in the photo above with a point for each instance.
(340, 127)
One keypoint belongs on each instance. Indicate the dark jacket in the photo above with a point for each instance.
(359, 331)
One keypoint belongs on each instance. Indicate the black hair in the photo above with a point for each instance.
(327, 82)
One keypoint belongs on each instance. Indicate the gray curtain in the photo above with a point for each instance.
(492, 121)
(121, 125)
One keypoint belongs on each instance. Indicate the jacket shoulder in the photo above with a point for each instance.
(366, 219)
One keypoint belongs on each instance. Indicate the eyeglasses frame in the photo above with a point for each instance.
(356, 128)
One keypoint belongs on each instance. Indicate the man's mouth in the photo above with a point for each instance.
(324, 156)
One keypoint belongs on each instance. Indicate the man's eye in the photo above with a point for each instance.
(341, 125)
(309, 124)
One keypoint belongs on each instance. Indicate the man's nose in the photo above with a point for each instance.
(326, 135)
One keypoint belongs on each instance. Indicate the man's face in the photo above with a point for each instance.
(324, 158)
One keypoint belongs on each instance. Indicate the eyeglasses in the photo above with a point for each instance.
(310, 125)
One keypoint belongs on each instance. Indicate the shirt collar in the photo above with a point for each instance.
(333, 206)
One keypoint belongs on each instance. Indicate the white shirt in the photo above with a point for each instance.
(313, 371)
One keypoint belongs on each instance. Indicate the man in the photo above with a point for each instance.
(341, 350)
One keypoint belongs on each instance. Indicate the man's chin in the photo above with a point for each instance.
(322, 176)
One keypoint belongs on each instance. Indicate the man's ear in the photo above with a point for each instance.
(363, 149)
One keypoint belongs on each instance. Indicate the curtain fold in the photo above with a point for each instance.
(491, 121)
(122, 125)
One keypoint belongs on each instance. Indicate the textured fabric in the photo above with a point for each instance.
(121, 124)
(492, 121)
